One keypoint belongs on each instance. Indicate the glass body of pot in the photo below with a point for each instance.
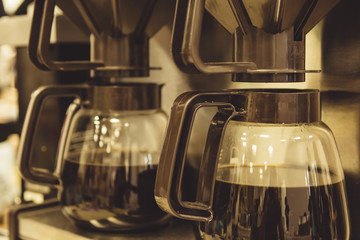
(107, 165)
(107, 155)
(278, 181)
(270, 168)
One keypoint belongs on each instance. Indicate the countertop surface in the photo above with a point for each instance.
(50, 223)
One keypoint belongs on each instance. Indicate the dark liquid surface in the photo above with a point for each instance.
(259, 212)
(110, 197)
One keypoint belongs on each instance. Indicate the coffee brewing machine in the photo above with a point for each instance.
(115, 126)
(266, 47)
(244, 188)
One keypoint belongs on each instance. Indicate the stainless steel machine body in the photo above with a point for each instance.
(332, 47)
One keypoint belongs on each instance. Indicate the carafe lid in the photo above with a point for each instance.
(283, 106)
(125, 97)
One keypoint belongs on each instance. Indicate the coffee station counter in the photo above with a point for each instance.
(47, 222)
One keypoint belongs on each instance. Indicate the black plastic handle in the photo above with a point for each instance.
(39, 45)
(172, 159)
(186, 37)
(30, 126)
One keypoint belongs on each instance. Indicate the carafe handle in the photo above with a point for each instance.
(39, 44)
(31, 124)
(172, 159)
(186, 42)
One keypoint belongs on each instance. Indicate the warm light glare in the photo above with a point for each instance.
(148, 159)
(114, 120)
(103, 130)
(271, 149)
(10, 6)
(253, 149)
(117, 132)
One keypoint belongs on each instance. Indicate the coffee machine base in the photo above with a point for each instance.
(45, 221)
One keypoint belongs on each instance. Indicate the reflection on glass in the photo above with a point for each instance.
(288, 184)
(109, 169)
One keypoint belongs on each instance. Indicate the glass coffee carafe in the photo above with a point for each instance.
(107, 157)
(270, 167)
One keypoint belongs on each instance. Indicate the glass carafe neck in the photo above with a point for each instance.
(283, 106)
(125, 97)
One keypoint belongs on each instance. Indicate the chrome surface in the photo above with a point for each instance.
(118, 17)
(273, 16)
(123, 27)
(133, 60)
(263, 30)
(279, 57)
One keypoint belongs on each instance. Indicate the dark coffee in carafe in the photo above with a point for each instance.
(110, 195)
(244, 208)
(107, 155)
